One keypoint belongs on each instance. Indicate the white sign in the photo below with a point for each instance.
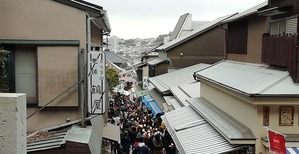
(144, 82)
(96, 82)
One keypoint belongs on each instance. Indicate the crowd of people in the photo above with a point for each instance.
(142, 132)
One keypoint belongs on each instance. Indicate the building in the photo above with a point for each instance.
(113, 43)
(253, 88)
(47, 48)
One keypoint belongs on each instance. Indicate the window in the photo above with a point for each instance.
(286, 25)
(25, 72)
(237, 37)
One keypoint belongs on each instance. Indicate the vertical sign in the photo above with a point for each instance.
(266, 115)
(276, 142)
(96, 82)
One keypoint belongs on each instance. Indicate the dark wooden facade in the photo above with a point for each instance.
(282, 49)
(60, 150)
(208, 47)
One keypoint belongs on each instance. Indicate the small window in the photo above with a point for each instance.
(237, 37)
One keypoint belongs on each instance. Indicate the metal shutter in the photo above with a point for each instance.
(291, 25)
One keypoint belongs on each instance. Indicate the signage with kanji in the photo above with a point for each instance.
(96, 82)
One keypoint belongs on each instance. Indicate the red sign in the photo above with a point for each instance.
(277, 143)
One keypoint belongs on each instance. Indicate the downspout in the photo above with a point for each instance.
(226, 40)
(85, 76)
(84, 103)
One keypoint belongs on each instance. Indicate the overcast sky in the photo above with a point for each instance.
(149, 18)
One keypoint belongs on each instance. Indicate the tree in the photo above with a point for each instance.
(4, 81)
(112, 77)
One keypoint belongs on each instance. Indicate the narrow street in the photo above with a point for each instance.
(140, 127)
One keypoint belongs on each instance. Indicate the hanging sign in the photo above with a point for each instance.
(276, 142)
(96, 82)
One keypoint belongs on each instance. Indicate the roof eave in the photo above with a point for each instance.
(82, 5)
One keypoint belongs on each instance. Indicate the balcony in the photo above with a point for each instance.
(281, 50)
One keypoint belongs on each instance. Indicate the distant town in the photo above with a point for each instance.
(132, 48)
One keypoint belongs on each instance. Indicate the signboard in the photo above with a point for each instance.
(144, 82)
(96, 82)
(276, 142)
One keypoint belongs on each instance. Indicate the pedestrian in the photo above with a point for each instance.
(126, 143)
(141, 148)
(157, 144)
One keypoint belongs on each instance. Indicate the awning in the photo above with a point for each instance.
(156, 61)
(278, 10)
(157, 97)
(234, 131)
(111, 132)
(193, 134)
(293, 150)
(172, 103)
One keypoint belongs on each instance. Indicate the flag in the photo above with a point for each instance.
(276, 142)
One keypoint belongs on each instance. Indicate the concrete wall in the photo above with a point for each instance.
(13, 123)
(29, 19)
(256, 28)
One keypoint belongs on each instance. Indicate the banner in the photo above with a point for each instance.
(276, 142)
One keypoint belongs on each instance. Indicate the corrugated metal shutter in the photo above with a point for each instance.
(291, 25)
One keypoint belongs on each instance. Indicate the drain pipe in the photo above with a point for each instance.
(84, 103)
(226, 40)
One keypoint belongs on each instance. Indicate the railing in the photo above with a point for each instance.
(281, 50)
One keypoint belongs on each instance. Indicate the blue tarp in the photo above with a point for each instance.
(155, 108)
(151, 104)
(146, 99)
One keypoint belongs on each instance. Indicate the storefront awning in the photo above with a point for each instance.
(193, 134)
(293, 150)
(157, 97)
(172, 103)
(234, 131)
